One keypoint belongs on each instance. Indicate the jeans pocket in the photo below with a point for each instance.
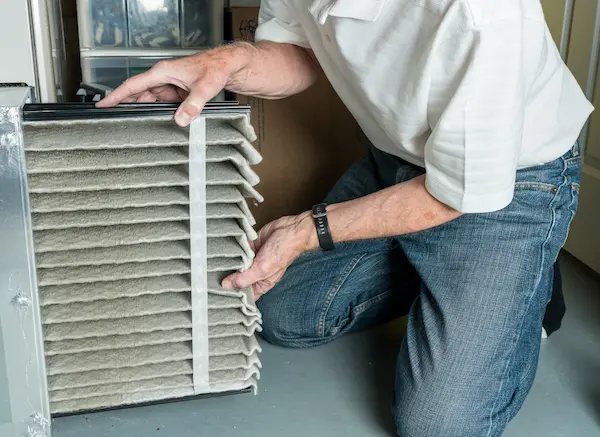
(545, 177)
(532, 196)
(535, 186)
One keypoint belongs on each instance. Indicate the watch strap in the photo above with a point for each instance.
(319, 213)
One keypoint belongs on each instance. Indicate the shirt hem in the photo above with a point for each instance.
(272, 31)
(468, 203)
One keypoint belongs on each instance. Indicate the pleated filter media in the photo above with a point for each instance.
(136, 221)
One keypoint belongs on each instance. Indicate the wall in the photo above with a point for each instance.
(16, 57)
(584, 238)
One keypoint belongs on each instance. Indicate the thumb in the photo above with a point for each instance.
(245, 279)
(192, 106)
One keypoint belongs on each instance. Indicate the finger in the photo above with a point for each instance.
(252, 246)
(132, 86)
(192, 106)
(237, 281)
(263, 287)
(263, 236)
(258, 294)
(266, 285)
(146, 97)
(260, 241)
(200, 92)
(245, 279)
(260, 289)
(169, 93)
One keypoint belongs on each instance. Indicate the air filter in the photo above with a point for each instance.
(128, 224)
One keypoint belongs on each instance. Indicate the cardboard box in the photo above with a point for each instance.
(307, 140)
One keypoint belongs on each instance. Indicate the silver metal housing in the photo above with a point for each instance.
(24, 405)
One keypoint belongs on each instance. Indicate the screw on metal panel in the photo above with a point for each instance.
(21, 300)
(40, 427)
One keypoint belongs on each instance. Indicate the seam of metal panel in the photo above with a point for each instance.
(5, 410)
(42, 419)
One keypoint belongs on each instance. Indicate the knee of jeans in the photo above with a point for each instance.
(287, 325)
(426, 412)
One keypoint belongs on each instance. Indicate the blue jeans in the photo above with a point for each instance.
(475, 291)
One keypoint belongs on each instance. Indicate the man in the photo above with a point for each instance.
(457, 214)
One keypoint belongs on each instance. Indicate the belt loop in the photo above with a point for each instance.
(575, 150)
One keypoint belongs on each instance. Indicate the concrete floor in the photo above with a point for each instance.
(345, 387)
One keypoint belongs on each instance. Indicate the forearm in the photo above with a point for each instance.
(267, 69)
(397, 210)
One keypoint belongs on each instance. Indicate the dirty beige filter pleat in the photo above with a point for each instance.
(110, 202)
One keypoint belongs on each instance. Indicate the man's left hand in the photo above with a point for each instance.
(279, 243)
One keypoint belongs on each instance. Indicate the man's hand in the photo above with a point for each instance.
(194, 80)
(267, 69)
(279, 243)
(397, 210)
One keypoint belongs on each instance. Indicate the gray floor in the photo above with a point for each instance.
(344, 388)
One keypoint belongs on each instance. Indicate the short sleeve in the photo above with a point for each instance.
(476, 115)
(277, 23)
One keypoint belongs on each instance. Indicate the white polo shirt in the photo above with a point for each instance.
(469, 89)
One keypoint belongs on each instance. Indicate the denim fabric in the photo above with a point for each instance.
(475, 291)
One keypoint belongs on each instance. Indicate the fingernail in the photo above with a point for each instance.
(227, 284)
(183, 119)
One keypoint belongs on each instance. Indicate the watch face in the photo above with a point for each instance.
(319, 210)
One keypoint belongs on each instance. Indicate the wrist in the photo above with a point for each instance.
(227, 60)
(236, 57)
(307, 232)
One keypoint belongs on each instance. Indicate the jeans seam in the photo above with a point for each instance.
(536, 185)
(361, 308)
(526, 374)
(334, 291)
(530, 296)
(572, 210)
(293, 342)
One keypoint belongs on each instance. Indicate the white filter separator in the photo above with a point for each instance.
(198, 253)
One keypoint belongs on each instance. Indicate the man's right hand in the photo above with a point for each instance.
(194, 80)
(267, 69)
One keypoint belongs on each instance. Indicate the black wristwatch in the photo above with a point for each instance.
(319, 213)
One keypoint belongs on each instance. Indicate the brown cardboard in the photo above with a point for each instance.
(307, 140)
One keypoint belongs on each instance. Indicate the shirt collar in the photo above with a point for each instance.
(366, 10)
